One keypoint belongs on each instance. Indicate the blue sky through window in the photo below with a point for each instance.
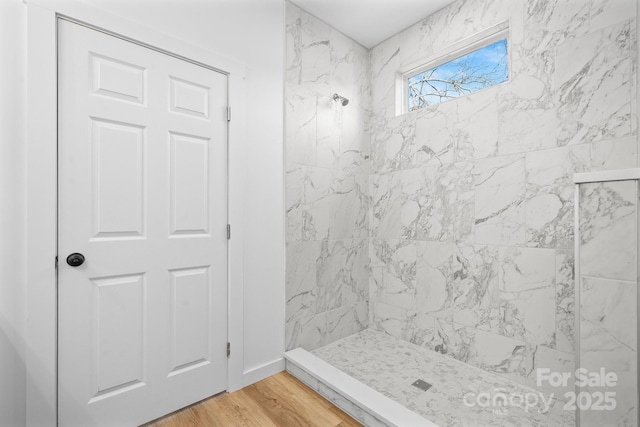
(469, 73)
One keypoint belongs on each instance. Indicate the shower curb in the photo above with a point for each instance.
(363, 403)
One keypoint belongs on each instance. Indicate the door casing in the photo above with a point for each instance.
(41, 337)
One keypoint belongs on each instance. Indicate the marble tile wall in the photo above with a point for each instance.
(471, 211)
(608, 295)
(327, 168)
(452, 226)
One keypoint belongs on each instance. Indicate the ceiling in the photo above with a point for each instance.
(370, 22)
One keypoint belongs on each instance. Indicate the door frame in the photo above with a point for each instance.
(41, 197)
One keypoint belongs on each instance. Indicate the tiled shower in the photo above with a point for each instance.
(452, 227)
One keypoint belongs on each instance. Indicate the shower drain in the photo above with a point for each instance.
(422, 385)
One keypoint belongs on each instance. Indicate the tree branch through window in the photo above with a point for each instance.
(474, 71)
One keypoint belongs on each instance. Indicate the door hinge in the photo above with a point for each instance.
(228, 114)
(228, 349)
(228, 231)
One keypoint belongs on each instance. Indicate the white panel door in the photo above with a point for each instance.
(142, 161)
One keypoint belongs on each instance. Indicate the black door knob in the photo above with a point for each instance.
(75, 260)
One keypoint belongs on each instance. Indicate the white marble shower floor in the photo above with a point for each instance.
(390, 366)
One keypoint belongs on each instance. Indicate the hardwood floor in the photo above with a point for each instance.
(278, 401)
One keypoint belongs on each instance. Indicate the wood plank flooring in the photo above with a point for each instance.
(278, 401)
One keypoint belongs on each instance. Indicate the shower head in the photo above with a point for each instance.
(344, 101)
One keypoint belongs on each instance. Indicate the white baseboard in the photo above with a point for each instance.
(261, 372)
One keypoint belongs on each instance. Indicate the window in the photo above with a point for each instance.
(473, 67)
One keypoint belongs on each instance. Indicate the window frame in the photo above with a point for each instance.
(461, 48)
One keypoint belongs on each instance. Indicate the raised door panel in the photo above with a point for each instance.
(190, 318)
(189, 158)
(118, 323)
(117, 79)
(189, 98)
(118, 179)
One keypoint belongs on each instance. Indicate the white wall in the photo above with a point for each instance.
(250, 32)
(12, 211)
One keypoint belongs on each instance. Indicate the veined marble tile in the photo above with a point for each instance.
(463, 19)
(526, 109)
(394, 272)
(393, 144)
(486, 13)
(458, 21)
(391, 320)
(475, 278)
(446, 203)
(421, 330)
(301, 279)
(549, 205)
(496, 353)
(565, 302)
(525, 130)
(485, 350)
(531, 83)
(394, 205)
(434, 279)
(382, 57)
(499, 200)
(349, 69)
(553, 361)
(320, 196)
(528, 294)
(328, 133)
(342, 273)
(529, 316)
(343, 74)
(308, 53)
(571, 84)
(604, 13)
(550, 22)
(607, 219)
(348, 320)
(561, 415)
(385, 63)
(294, 196)
(426, 38)
(300, 126)
(434, 203)
(454, 340)
(633, 56)
(362, 67)
(458, 283)
(335, 205)
(377, 292)
(555, 168)
(594, 82)
(525, 269)
(476, 128)
(615, 154)
(308, 332)
(609, 340)
(435, 137)
(608, 308)
(355, 143)
(415, 42)
(293, 34)
(315, 54)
